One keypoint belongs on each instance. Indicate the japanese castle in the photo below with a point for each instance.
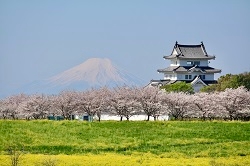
(189, 63)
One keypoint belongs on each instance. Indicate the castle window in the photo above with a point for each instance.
(188, 77)
(193, 63)
(203, 77)
(197, 63)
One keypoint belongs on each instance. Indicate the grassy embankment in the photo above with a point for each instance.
(182, 142)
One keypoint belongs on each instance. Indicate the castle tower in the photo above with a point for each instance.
(189, 63)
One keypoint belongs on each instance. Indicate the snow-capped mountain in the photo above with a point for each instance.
(93, 73)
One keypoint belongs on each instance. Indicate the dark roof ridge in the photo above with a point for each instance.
(178, 49)
(203, 48)
(189, 45)
(176, 68)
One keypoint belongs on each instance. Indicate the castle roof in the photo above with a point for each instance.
(189, 69)
(160, 82)
(198, 78)
(193, 81)
(189, 52)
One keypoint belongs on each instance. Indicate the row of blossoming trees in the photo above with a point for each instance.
(126, 102)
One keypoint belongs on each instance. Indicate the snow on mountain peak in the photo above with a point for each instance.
(95, 72)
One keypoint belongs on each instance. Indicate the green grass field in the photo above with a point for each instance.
(196, 140)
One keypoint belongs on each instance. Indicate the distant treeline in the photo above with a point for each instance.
(230, 81)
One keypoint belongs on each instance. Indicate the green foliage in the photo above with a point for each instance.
(189, 138)
(14, 154)
(179, 87)
(209, 89)
(227, 81)
(49, 161)
(230, 81)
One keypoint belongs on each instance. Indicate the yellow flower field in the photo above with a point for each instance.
(73, 143)
(118, 159)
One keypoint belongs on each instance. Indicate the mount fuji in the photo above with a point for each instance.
(93, 73)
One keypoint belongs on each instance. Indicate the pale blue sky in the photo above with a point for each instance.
(39, 39)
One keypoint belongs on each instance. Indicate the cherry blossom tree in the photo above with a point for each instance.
(11, 106)
(86, 102)
(93, 101)
(124, 102)
(234, 101)
(3, 111)
(150, 100)
(36, 106)
(103, 96)
(64, 104)
(177, 104)
(204, 105)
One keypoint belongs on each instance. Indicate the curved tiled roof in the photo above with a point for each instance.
(190, 52)
(190, 69)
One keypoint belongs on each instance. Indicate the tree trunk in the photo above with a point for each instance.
(203, 118)
(121, 118)
(154, 118)
(148, 117)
